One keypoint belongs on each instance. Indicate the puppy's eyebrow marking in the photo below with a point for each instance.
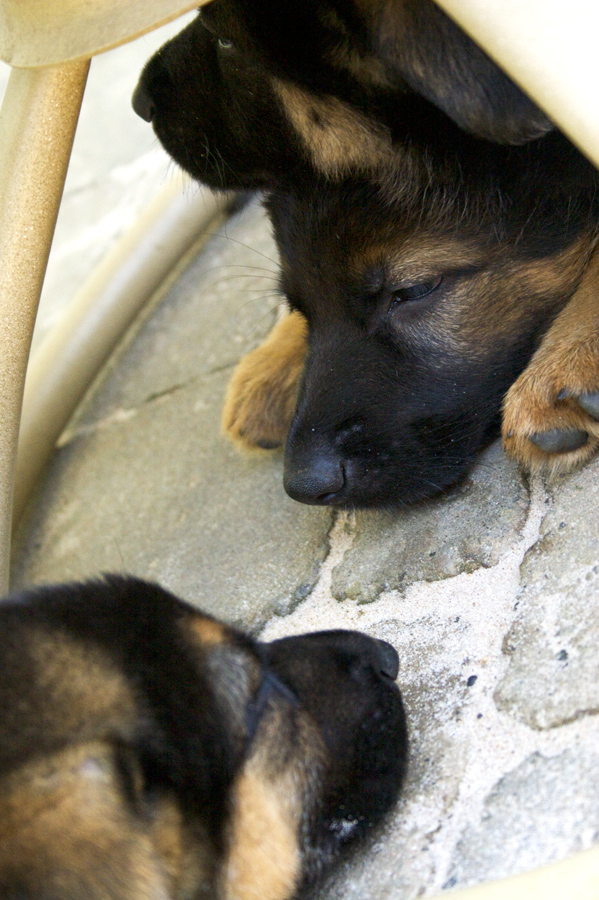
(423, 262)
(339, 139)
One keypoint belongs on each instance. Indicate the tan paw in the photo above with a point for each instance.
(548, 429)
(551, 413)
(261, 395)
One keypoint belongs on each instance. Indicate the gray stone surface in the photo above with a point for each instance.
(476, 767)
(533, 817)
(471, 526)
(220, 308)
(144, 482)
(553, 675)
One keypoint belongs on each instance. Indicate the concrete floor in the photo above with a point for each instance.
(489, 594)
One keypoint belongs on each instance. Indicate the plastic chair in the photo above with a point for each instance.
(49, 44)
(549, 48)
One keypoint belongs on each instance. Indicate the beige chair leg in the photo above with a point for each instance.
(37, 125)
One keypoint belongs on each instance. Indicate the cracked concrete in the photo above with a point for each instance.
(489, 593)
(469, 528)
(553, 674)
(475, 769)
(256, 552)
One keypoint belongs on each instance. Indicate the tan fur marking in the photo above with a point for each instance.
(421, 255)
(69, 833)
(502, 300)
(64, 822)
(94, 690)
(568, 359)
(261, 396)
(264, 861)
(187, 859)
(340, 139)
(42, 785)
(208, 631)
(270, 795)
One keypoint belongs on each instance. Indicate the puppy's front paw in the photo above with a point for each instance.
(548, 428)
(551, 413)
(260, 399)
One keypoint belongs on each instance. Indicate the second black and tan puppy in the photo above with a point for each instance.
(149, 752)
(252, 88)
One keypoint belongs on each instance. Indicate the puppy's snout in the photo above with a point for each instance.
(142, 102)
(388, 660)
(316, 478)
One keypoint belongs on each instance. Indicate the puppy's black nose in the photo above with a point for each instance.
(316, 480)
(388, 659)
(142, 102)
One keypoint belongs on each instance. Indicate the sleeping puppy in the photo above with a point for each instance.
(410, 331)
(311, 100)
(149, 751)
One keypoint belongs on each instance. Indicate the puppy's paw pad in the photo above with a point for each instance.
(549, 430)
(590, 403)
(559, 440)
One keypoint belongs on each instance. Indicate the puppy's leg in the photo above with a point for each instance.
(262, 392)
(551, 413)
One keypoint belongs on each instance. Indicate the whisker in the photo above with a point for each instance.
(253, 249)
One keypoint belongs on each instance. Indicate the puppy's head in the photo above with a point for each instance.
(147, 751)
(253, 88)
(212, 104)
(423, 304)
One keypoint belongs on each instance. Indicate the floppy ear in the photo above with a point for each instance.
(420, 44)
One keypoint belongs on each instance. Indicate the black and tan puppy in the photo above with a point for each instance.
(405, 172)
(148, 751)
(254, 87)
(415, 331)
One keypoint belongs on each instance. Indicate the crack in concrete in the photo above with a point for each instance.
(167, 392)
(493, 742)
(124, 414)
(117, 417)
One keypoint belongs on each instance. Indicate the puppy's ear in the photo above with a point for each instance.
(425, 48)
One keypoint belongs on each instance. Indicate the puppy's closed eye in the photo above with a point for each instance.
(416, 291)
